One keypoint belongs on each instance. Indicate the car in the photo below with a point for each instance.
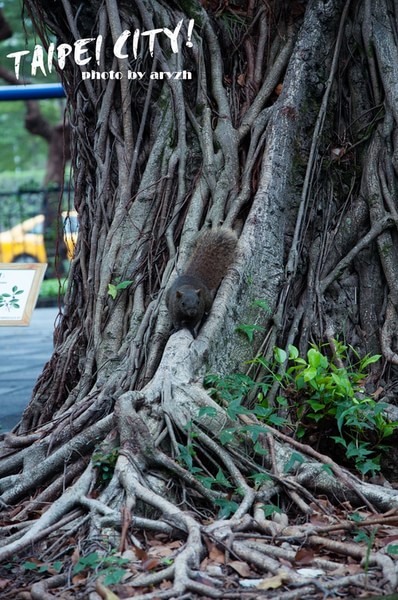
(24, 243)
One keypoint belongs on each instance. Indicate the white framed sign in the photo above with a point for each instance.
(19, 289)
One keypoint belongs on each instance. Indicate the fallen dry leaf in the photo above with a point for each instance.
(217, 555)
(304, 556)
(75, 556)
(273, 583)
(104, 592)
(241, 568)
(176, 544)
(150, 564)
(166, 585)
(161, 552)
(346, 569)
(79, 579)
(241, 80)
(4, 583)
(140, 553)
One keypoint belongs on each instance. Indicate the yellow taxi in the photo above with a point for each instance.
(25, 243)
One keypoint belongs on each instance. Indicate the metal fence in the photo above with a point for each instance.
(22, 223)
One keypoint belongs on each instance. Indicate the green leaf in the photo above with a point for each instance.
(309, 373)
(293, 352)
(300, 361)
(270, 509)
(294, 457)
(260, 478)
(314, 357)
(57, 566)
(368, 466)
(112, 291)
(222, 480)
(276, 420)
(259, 449)
(328, 469)
(113, 576)
(339, 440)
(44, 568)
(207, 411)
(207, 482)
(368, 360)
(124, 284)
(186, 455)
(227, 507)
(249, 330)
(355, 517)
(30, 566)
(316, 406)
(361, 536)
(360, 451)
(301, 431)
(262, 304)
(255, 430)
(235, 408)
(262, 412)
(258, 360)
(282, 401)
(86, 562)
(280, 355)
(227, 436)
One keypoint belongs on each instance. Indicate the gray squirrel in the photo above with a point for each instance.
(190, 296)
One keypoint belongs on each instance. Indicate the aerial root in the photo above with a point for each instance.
(142, 475)
(56, 516)
(39, 590)
(186, 561)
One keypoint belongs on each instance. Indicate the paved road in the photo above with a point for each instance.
(23, 354)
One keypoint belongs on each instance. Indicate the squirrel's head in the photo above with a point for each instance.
(189, 300)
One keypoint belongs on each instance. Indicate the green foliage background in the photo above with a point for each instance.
(22, 156)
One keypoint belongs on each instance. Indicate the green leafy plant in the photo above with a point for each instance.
(186, 457)
(270, 509)
(51, 288)
(227, 507)
(115, 288)
(333, 397)
(392, 549)
(39, 567)
(232, 389)
(109, 567)
(249, 330)
(326, 392)
(105, 463)
(368, 539)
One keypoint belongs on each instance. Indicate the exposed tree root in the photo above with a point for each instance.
(144, 475)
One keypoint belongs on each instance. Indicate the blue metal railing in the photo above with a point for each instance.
(32, 91)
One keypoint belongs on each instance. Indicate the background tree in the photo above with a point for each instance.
(56, 135)
(286, 132)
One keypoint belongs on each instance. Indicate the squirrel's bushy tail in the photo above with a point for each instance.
(213, 253)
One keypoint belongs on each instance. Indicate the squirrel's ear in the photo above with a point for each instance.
(179, 294)
(199, 291)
